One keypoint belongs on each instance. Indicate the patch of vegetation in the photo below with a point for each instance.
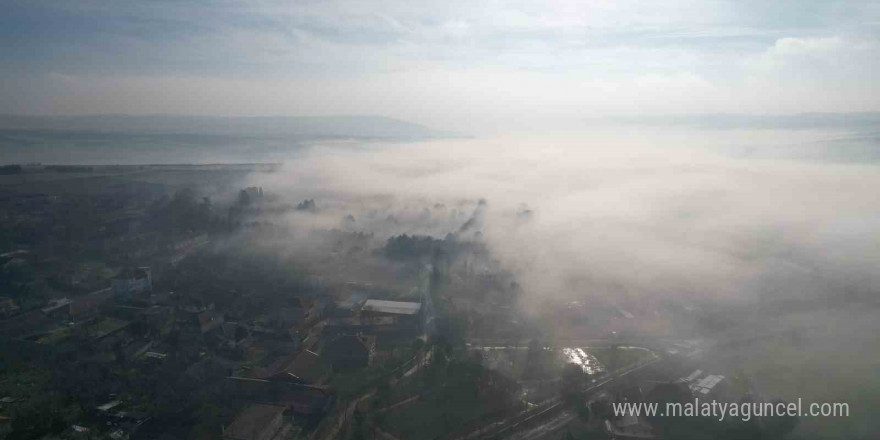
(620, 357)
(10, 169)
(456, 395)
(55, 336)
(104, 326)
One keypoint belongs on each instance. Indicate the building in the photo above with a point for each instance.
(347, 307)
(88, 306)
(258, 422)
(160, 318)
(306, 367)
(407, 317)
(108, 406)
(78, 309)
(28, 324)
(132, 281)
(308, 401)
(209, 320)
(166, 427)
(350, 352)
(57, 308)
(254, 192)
(378, 307)
(300, 314)
(704, 386)
(305, 400)
(305, 311)
(363, 324)
(234, 334)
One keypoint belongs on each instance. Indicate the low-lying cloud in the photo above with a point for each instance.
(772, 259)
(623, 213)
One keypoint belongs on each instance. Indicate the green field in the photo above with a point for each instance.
(625, 356)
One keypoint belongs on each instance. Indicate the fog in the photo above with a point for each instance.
(652, 213)
(641, 218)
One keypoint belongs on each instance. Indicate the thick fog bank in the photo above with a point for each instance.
(622, 213)
(774, 252)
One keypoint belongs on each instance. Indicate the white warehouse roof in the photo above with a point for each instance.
(395, 307)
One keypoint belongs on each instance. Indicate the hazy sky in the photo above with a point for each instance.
(452, 64)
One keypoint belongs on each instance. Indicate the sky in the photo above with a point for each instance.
(452, 65)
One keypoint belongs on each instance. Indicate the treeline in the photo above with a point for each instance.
(17, 169)
(69, 168)
(183, 212)
(415, 247)
(10, 169)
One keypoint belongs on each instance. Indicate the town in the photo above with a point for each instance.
(138, 309)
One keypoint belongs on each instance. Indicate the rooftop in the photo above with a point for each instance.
(252, 420)
(351, 344)
(306, 366)
(394, 307)
(706, 384)
(56, 304)
(135, 273)
(302, 303)
(109, 405)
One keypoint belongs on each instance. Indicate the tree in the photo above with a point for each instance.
(244, 199)
(119, 353)
(183, 212)
(780, 426)
(534, 357)
(41, 417)
(10, 169)
(573, 379)
(139, 328)
(307, 205)
(614, 358)
(665, 394)
(18, 277)
(417, 346)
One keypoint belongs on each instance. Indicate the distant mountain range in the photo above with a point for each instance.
(146, 139)
(302, 127)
